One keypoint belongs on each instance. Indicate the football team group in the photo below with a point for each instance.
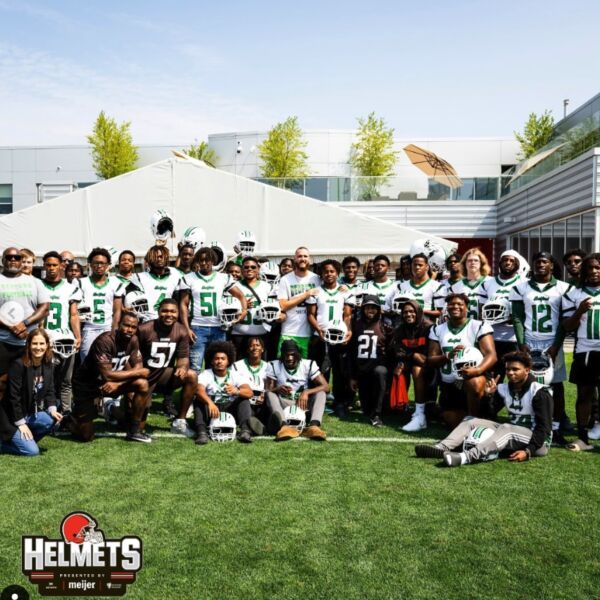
(250, 347)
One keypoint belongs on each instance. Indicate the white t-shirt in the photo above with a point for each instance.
(215, 386)
(290, 285)
(157, 288)
(252, 325)
(588, 332)
(298, 379)
(206, 293)
(330, 305)
(100, 299)
(62, 296)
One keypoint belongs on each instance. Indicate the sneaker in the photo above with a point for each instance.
(107, 407)
(594, 432)
(275, 423)
(427, 451)
(256, 426)
(286, 433)
(566, 426)
(376, 422)
(341, 411)
(168, 408)
(201, 437)
(558, 438)
(314, 432)
(138, 436)
(452, 459)
(417, 423)
(180, 427)
(245, 436)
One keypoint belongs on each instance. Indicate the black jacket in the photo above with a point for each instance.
(18, 400)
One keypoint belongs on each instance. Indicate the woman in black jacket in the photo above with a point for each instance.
(28, 411)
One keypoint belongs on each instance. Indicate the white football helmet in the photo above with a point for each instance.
(161, 226)
(221, 255)
(469, 357)
(541, 367)
(256, 394)
(496, 311)
(269, 272)
(11, 313)
(63, 342)
(114, 254)
(246, 243)
(399, 300)
(476, 436)
(269, 311)
(85, 312)
(223, 428)
(335, 332)
(194, 237)
(294, 417)
(358, 293)
(229, 311)
(436, 256)
(137, 302)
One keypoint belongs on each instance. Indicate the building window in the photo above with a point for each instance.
(6, 201)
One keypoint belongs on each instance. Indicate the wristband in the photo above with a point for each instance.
(26, 322)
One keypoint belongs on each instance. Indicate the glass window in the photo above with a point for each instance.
(524, 245)
(588, 228)
(546, 238)
(316, 187)
(6, 203)
(573, 232)
(534, 241)
(486, 188)
(558, 240)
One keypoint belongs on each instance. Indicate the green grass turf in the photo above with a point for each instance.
(310, 520)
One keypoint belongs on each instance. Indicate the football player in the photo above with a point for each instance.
(73, 271)
(286, 266)
(165, 349)
(201, 294)
(62, 314)
(331, 305)
(350, 266)
(234, 269)
(454, 269)
(368, 358)
(380, 285)
(572, 261)
(368, 270)
(185, 259)
(293, 380)
(125, 266)
(475, 271)
(529, 433)
(222, 388)
(536, 310)
(103, 294)
(581, 307)
(27, 262)
(67, 257)
(461, 391)
(405, 268)
(112, 367)
(294, 290)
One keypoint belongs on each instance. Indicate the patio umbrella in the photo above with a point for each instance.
(433, 166)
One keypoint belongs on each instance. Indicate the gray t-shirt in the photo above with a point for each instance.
(26, 290)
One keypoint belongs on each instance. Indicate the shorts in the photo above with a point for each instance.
(452, 397)
(585, 369)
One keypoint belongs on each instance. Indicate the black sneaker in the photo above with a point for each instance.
(245, 436)
(168, 408)
(376, 422)
(139, 436)
(341, 411)
(201, 437)
(566, 426)
(427, 451)
(558, 438)
(275, 423)
(256, 426)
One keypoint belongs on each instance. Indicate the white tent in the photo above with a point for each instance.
(117, 213)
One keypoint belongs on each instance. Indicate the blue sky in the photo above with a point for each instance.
(181, 70)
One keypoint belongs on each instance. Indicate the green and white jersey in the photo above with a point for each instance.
(124, 280)
(157, 288)
(100, 299)
(255, 376)
(206, 293)
(474, 290)
(380, 290)
(520, 408)
(448, 337)
(62, 295)
(290, 285)
(542, 302)
(588, 332)
(252, 325)
(427, 294)
(500, 288)
(298, 379)
(330, 305)
(215, 386)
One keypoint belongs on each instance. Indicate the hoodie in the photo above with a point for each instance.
(410, 339)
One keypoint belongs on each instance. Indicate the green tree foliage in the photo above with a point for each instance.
(202, 152)
(113, 151)
(373, 155)
(538, 132)
(282, 153)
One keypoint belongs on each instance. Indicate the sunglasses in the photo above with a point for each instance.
(8, 257)
(253, 267)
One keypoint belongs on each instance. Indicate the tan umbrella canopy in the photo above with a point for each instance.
(433, 166)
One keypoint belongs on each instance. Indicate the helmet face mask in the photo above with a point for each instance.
(399, 301)
(63, 342)
(467, 358)
(137, 302)
(246, 243)
(542, 367)
(335, 333)
(269, 311)
(161, 225)
(269, 272)
(230, 311)
(294, 416)
(496, 311)
(223, 428)
(221, 255)
(85, 312)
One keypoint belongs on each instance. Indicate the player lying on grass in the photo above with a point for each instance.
(529, 433)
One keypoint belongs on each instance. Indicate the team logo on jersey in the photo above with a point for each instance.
(541, 298)
(454, 340)
(83, 562)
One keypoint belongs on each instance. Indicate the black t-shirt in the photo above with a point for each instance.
(160, 348)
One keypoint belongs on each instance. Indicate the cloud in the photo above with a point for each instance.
(38, 12)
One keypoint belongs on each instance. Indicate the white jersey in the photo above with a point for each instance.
(252, 324)
(215, 386)
(100, 299)
(380, 290)
(157, 288)
(290, 285)
(448, 337)
(426, 294)
(542, 302)
(255, 376)
(496, 288)
(298, 379)
(206, 293)
(62, 295)
(588, 332)
(520, 408)
(474, 290)
(330, 305)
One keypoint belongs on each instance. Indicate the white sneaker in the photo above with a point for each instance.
(180, 427)
(190, 412)
(417, 423)
(594, 432)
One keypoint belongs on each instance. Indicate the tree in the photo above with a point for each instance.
(113, 152)
(373, 154)
(204, 153)
(538, 131)
(282, 153)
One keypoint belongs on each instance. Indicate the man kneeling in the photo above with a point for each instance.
(529, 433)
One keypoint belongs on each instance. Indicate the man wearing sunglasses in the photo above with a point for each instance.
(30, 294)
